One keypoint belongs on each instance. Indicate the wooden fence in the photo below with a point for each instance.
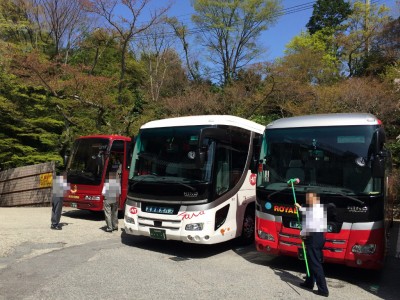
(27, 186)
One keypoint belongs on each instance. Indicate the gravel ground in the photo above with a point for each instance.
(19, 225)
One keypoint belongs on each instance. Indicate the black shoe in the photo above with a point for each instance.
(115, 228)
(56, 227)
(321, 293)
(306, 285)
(109, 230)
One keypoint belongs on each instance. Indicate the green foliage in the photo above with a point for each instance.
(328, 14)
(29, 130)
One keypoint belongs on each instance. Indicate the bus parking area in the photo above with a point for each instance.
(79, 261)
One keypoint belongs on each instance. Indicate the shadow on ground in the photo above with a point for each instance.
(383, 283)
(178, 250)
(84, 214)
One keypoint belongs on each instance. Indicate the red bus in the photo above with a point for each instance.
(343, 158)
(91, 159)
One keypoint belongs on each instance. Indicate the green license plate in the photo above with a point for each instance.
(73, 204)
(158, 234)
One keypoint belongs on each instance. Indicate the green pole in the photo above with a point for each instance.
(298, 220)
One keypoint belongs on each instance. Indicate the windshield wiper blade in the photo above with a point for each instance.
(141, 179)
(278, 191)
(183, 184)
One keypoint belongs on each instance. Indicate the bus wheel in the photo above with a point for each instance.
(248, 228)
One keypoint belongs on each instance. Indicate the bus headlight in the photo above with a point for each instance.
(194, 227)
(364, 249)
(92, 198)
(265, 236)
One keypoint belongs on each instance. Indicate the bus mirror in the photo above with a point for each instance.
(254, 165)
(66, 157)
(201, 157)
(378, 167)
(378, 141)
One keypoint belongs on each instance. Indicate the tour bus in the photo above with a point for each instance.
(190, 180)
(340, 156)
(91, 160)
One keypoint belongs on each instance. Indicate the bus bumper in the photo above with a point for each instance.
(351, 247)
(172, 227)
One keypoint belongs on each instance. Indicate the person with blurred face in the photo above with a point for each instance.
(111, 192)
(60, 186)
(314, 225)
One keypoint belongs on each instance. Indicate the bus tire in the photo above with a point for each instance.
(248, 228)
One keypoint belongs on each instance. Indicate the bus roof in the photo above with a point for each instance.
(206, 120)
(319, 120)
(105, 136)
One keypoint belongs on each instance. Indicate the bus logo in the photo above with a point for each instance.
(190, 194)
(133, 210)
(74, 189)
(268, 205)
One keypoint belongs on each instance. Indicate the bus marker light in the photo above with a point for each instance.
(359, 262)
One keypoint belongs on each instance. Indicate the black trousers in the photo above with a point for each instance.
(56, 209)
(314, 243)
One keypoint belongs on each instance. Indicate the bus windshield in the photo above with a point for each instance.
(87, 161)
(170, 153)
(333, 159)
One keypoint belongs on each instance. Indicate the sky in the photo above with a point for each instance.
(296, 15)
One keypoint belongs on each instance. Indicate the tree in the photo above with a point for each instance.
(126, 27)
(230, 29)
(58, 21)
(328, 13)
(363, 27)
(310, 59)
(181, 31)
(30, 126)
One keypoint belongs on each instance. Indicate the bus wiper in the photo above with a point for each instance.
(278, 191)
(183, 184)
(349, 197)
(141, 179)
(339, 193)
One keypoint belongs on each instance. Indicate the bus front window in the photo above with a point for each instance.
(169, 152)
(87, 161)
(335, 158)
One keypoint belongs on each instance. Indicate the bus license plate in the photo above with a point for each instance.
(158, 234)
(300, 253)
(74, 205)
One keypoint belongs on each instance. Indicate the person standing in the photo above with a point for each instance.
(60, 186)
(314, 224)
(111, 192)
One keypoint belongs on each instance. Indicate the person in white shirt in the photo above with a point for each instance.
(314, 224)
(111, 192)
(60, 186)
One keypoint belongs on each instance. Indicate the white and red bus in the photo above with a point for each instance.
(190, 180)
(91, 159)
(343, 158)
